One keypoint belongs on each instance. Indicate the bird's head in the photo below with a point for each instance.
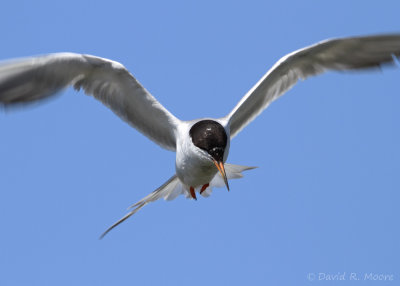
(211, 137)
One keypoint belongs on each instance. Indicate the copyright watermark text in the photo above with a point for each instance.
(349, 276)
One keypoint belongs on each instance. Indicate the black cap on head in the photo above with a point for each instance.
(211, 137)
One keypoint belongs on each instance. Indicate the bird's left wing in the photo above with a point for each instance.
(335, 54)
(32, 79)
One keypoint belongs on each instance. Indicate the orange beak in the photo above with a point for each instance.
(221, 169)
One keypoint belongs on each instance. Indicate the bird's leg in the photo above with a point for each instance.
(204, 187)
(193, 193)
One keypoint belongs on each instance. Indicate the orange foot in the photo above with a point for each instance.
(193, 193)
(203, 188)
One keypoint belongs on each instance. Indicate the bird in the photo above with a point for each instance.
(201, 145)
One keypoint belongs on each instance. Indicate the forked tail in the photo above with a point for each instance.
(173, 188)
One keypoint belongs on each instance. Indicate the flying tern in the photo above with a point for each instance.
(201, 145)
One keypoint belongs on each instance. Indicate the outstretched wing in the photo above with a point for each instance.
(335, 54)
(31, 79)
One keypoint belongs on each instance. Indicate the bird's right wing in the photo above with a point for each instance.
(32, 79)
(335, 54)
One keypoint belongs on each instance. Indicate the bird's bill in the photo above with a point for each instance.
(221, 169)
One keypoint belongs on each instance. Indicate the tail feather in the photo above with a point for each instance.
(173, 188)
(169, 191)
(232, 172)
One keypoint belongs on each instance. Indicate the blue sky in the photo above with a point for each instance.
(323, 200)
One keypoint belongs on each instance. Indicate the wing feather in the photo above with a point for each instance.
(336, 54)
(32, 79)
